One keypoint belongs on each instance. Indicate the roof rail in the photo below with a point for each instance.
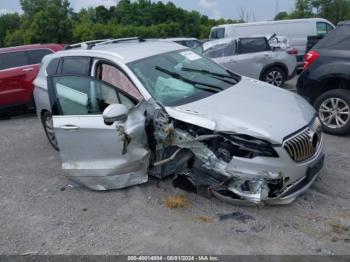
(86, 44)
(117, 40)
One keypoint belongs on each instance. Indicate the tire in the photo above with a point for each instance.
(333, 108)
(49, 131)
(275, 76)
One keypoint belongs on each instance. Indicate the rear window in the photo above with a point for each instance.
(252, 45)
(14, 59)
(217, 33)
(35, 56)
(221, 50)
(338, 39)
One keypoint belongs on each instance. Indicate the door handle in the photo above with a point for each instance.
(28, 69)
(69, 127)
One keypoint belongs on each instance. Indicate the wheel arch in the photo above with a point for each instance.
(275, 64)
(332, 82)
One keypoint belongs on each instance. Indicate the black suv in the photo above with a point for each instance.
(325, 81)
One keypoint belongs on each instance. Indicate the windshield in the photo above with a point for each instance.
(182, 77)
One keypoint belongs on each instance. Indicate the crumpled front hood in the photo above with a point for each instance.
(250, 107)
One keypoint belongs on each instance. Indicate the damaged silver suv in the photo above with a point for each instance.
(122, 110)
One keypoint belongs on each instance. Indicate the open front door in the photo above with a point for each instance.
(99, 156)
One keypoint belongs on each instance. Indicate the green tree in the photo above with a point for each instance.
(333, 10)
(282, 16)
(8, 23)
(43, 21)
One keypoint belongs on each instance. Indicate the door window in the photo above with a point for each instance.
(35, 56)
(14, 59)
(116, 77)
(217, 33)
(252, 45)
(76, 65)
(323, 28)
(221, 50)
(84, 96)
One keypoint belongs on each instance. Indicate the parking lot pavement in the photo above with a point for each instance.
(41, 213)
(291, 84)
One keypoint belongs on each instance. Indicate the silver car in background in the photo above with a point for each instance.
(254, 57)
(124, 110)
(190, 42)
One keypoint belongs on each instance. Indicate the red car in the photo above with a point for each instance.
(18, 68)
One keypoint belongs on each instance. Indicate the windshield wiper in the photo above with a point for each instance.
(208, 72)
(213, 88)
(217, 76)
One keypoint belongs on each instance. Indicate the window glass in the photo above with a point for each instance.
(195, 45)
(329, 28)
(83, 96)
(321, 28)
(116, 77)
(252, 45)
(51, 69)
(76, 65)
(221, 50)
(35, 56)
(217, 33)
(181, 77)
(14, 59)
(338, 39)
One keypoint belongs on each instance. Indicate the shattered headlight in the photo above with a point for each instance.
(242, 146)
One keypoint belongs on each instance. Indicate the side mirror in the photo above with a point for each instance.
(114, 113)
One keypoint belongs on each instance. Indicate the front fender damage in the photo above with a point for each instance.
(187, 151)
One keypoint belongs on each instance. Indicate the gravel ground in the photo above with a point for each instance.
(41, 212)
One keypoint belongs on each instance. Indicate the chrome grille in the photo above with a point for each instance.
(305, 144)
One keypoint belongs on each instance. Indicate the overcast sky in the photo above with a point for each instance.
(257, 10)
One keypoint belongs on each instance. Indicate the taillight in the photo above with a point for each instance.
(292, 51)
(310, 58)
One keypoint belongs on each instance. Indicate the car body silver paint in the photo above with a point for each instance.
(93, 154)
(253, 64)
(250, 107)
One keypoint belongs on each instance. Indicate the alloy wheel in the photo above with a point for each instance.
(274, 78)
(50, 131)
(334, 113)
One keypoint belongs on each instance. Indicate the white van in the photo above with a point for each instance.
(296, 30)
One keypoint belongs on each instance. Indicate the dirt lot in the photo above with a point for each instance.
(41, 213)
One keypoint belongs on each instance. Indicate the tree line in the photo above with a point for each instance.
(54, 21)
(333, 10)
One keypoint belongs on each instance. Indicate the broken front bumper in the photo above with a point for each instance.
(301, 175)
(300, 186)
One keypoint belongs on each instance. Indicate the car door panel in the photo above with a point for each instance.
(94, 154)
(249, 64)
(253, 55)
(90, 149)
(15, 86)
(16, 79)
(230, 62)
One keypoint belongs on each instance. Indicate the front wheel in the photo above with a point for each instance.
(275, 76)
(333, 108)
(49, 130)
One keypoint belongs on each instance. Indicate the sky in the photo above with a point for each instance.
(254, 10)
